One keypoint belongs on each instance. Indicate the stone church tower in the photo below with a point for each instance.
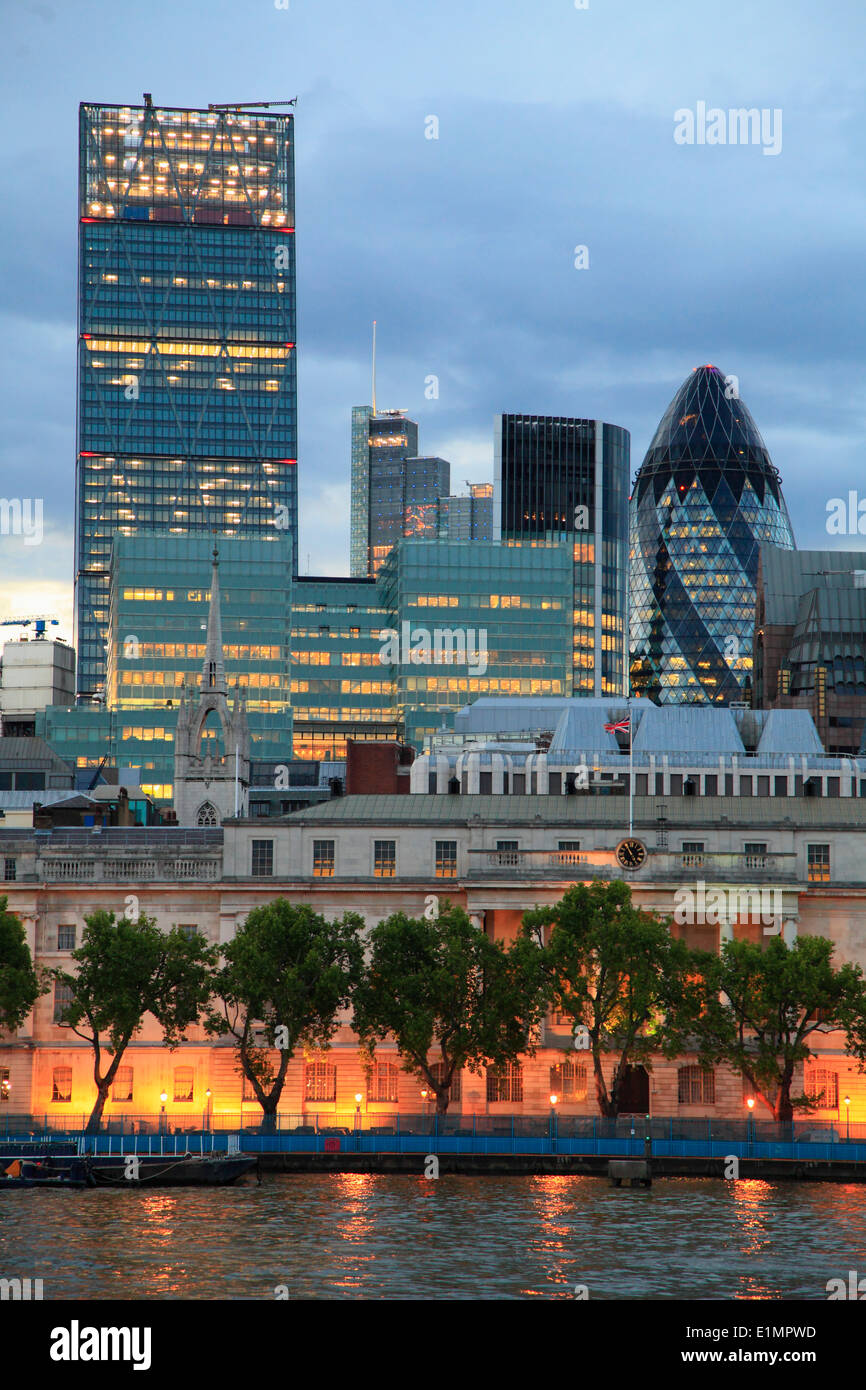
(209, 789)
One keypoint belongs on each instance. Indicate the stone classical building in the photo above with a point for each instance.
(781, 864)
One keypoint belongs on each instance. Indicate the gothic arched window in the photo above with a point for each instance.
(207, 814)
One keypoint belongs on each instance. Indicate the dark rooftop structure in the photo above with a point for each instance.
(810, 640)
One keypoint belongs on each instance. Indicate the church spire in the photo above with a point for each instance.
(213, 676)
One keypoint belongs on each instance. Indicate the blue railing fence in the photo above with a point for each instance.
(186, 1129)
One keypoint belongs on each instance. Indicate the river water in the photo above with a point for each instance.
(350, 1236)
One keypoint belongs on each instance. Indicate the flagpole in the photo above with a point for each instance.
(630, 774)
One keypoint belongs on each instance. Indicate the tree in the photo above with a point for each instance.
(126, 970)
(21, 983)
(620, 975)
(764, 1003)
(444, 984)
(291, 971)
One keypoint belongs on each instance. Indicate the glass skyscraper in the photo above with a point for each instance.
(705, 497)
(562, 481)
(187, 409)
(467, 619)
(394, 491)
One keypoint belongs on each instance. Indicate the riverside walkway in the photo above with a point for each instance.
(463, 1143)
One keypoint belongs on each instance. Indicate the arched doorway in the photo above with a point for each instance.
(634, 1091)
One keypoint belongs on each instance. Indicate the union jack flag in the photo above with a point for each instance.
(620, 724)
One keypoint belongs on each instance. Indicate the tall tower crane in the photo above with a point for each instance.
(246, 105)
(40, 623)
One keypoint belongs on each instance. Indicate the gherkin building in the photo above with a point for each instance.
(704, 498)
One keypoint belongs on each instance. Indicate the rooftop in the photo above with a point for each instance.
(682, 732)
(571, 812)
(789, 574)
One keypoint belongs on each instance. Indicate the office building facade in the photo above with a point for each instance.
(159, 601)
(339, 688)
(562, 481)
(467, 619)
(187, 410)
(705, 497)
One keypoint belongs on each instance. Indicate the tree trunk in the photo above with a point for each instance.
(271, 1099)
(443, 1097)
(103, 1084)
(783, 1111)
(605, 1105)
(95, 1120)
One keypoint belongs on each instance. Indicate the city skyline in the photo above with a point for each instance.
(425, 752)
(634, 343)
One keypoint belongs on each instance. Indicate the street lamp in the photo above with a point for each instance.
(162, 1120)
(424, 1094)
(750, 1101)
(554, 1100)
(207, 1109)
(847, 1117)
(359, 1096)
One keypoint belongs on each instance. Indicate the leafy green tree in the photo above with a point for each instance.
(764, 1003)
(621, 976)
(444, 985)
(21, 983)
(126, 970)
(291, 972)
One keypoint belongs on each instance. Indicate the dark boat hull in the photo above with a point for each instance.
(170, 1172)
(186, 1170)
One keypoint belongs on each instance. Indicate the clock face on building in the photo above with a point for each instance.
(630, 854)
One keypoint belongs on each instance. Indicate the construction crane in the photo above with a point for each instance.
(39, 623)
(246, 105)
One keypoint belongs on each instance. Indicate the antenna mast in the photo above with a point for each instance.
(374, 366)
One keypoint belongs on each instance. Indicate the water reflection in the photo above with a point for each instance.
(366, 1236)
